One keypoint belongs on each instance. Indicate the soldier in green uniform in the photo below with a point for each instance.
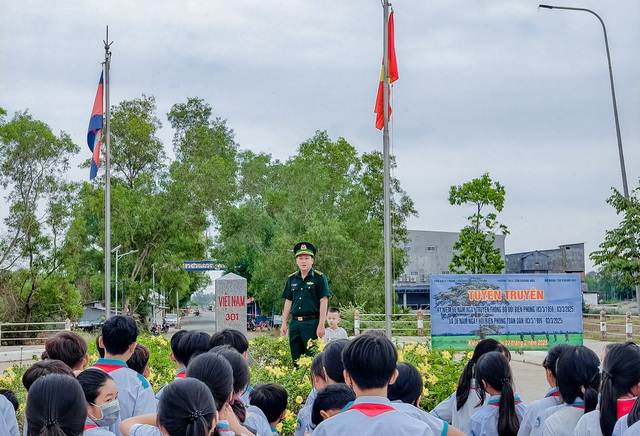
(306, 298)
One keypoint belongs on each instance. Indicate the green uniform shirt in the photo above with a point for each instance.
(305, 294)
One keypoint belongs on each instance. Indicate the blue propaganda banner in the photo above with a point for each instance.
(523, 311)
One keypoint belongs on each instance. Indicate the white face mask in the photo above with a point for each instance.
(110, 413)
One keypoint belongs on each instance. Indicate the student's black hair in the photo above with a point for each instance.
(175, 338)
(56, 407)
(186, 408)
(42, 368)
(9, 395)
(577, 369)
(619, 374)
(69, 347)
(493, 369)
(240, 376)
(98, 347)
(232, 337)
(551, 358)
(332, 360)
(118, 333)
(408, 386)
(214, 371)
(332, 397)
(92, 380)
(370, 360)
(334, 310)
(317, 365)
(189, 345)
(464, 382)
(139, 359)
(271, 398)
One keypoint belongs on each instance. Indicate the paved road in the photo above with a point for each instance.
(206, 322)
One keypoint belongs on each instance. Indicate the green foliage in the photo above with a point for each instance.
(619, 254)
(326, 194)
(474, 251)
(33, 164)
(609, 285)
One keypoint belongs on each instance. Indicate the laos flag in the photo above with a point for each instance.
(94, 137)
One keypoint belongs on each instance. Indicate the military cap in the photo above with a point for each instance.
(304, 248)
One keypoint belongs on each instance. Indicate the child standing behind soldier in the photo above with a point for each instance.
(334, 332)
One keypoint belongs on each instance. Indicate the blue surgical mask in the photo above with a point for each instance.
(110, 413)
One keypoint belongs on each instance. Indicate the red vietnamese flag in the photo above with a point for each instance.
(393, 76)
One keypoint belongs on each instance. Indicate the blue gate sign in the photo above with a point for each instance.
(200, 265)
(522, 311)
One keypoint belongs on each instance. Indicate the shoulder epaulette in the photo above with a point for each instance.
(317, 272)
(293, 274)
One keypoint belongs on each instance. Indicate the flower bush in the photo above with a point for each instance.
(440, 370)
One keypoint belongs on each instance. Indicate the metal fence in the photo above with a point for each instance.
(606, 327)
(402, 324)
(18, 333)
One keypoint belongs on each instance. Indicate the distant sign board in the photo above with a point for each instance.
(523, 311)
(201, 265)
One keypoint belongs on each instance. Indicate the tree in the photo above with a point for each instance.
(33, 166)
(608, 286)
(619, 254)
(474, 251)
(327, 194)
(135, 148)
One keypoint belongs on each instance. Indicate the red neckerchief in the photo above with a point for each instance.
(371, 409)
(625, 405)
(182, 373)
(89, 426)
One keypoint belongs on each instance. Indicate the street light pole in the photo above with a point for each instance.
(153, 290)
(118, 257)
(613, 92)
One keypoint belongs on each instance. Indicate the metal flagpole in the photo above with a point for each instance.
(107, 180)
(388, 291)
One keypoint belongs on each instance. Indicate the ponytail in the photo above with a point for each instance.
(493, 369)
(464, 383)
(619, 375)
(508, 421)
(186, 408)
(56, 407)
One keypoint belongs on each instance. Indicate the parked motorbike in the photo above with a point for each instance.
(154, 329)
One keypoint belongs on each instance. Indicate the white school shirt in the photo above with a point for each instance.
(135, 394)
(437, 426)
(634, 430)
(372, 416)
(621, 426)
(8, 421)
(92, 429)
(538, 424)
(563, 421)
(257, 420)
(144, 430)
(485, 421)
(588, 424)
(448, 412)
(331, 335)
(532, 417)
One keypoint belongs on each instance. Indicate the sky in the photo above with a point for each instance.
(495, 86)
